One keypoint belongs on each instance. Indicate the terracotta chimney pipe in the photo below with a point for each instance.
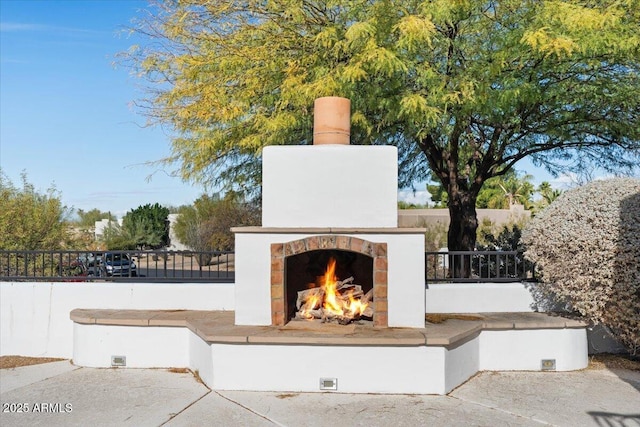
(331, 120)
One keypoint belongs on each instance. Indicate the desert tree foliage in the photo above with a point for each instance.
(465, 89)
(31, 219)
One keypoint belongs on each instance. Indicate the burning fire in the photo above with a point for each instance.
(333, 299)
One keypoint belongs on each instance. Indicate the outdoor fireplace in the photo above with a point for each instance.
(300, 269)
(329, 224)
(323, 201)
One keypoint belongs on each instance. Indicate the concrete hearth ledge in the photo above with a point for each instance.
(218, 327)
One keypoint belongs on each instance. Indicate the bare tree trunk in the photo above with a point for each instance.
(462, 191)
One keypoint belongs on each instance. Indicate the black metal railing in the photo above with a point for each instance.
(478, 266)
(149, 266)
(218, 266)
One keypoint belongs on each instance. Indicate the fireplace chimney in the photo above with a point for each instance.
(331, 120)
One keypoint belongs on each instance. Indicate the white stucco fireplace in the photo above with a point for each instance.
(331, 197)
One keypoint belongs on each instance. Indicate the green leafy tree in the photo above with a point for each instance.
(502, 192)
(438, 195)
(30, 220)
(118, 238)
(548, 193)
(147, 226)
(465, 89)
(206, 226)
(192, 226)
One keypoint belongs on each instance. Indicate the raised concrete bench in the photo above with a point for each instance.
(430, 360)
(218, 327)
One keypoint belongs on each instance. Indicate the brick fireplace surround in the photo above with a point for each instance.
(377, 251)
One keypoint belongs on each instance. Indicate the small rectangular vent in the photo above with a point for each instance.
(548, 364)
(328, 383)
(118, 361)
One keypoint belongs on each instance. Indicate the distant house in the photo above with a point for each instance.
(103, 224)
(174, 243)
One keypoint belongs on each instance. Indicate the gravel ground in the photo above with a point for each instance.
(614, 361)
(8, 362)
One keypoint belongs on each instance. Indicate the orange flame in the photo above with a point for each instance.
(329, 283)
(334, 302)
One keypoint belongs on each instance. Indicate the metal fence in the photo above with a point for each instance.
(217, 266)
(149, 266)
(478, 266)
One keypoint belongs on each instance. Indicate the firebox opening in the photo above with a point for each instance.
(303, 271)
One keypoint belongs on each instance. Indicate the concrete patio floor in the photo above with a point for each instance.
(66, 395)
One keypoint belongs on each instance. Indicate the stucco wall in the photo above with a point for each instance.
(426, 217)
(405, 276)
(34, 317)
(329, 186)
(479, 298)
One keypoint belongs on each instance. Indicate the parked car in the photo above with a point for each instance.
(118, 264)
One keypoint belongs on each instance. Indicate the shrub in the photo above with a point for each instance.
(206, 226)
(435, 236)
(147, 226)
(490, 238)
(31, 220)
(587, 248)
(507, 237)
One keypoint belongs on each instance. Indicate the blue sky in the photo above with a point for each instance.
(65, 109)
